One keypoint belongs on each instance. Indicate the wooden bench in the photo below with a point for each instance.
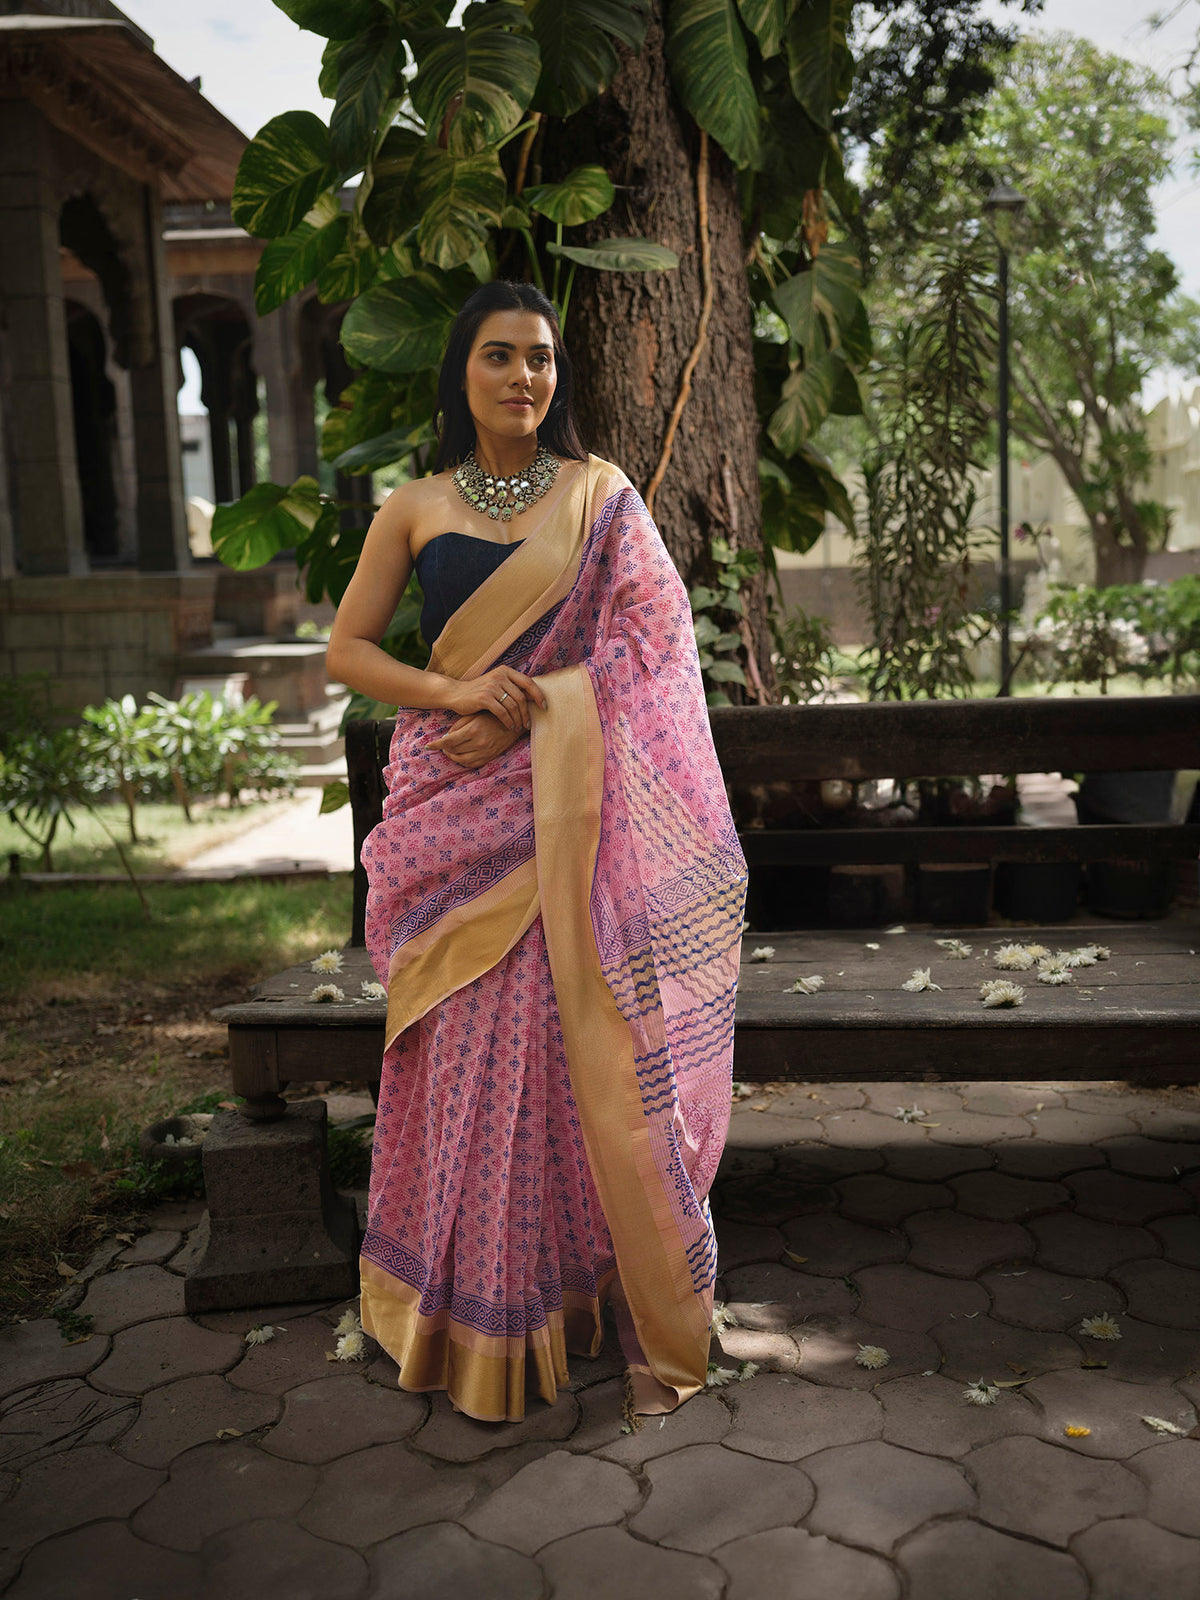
(1133, 1017)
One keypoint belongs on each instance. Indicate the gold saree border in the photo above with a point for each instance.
(487, 1376)
(461, 946)
(655, 1279)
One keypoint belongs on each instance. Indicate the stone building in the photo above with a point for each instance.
(117, 251)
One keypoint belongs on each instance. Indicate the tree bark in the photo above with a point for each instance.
(630, 334)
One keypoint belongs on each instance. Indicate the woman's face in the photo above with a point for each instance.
(510, 376)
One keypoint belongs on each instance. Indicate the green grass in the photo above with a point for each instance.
(105, 1026)
(167, 839)
(195, 931)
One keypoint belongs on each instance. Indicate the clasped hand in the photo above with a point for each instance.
(493, 714)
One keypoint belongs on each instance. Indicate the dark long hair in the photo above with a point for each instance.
(452, 420)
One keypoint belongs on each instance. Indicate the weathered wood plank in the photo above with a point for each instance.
(1154, 841)
(939, 738)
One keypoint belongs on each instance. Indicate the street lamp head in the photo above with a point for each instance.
(1004, 198)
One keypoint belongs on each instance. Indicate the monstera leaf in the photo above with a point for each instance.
(821, 305)
(819, 62)
(487, 70)
(269, 518)
(393, 205)
(332, 19)
(706, 49)
(767, 21)
(619, 255)
(402, 326)
(576, 39)
(295, 259)
(369, 67)
(583, 194)
(460, 197)
(282, 171)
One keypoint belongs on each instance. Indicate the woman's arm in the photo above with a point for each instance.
(353, 655)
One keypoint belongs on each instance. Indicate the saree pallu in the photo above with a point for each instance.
(559, 933)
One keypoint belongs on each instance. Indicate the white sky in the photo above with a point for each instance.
(255, 63)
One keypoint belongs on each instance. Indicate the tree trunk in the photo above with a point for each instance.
(630, 334)
(1115, 562)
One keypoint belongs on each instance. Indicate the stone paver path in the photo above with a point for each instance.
(163, 1459)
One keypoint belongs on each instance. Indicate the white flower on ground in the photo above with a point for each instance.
(327, 961)
(326, 991)
(764, 952)
(1161, 1425)
(348, 1322)
(1100, 951)
(373, 991)
(1001, 992)
(351, 1347)
(899, 928)
(955, 949)
(920, 980)
(872, 1355)
(1051, 969)
(1013, 958)
(1081, 958)
(1101, 1326)
(808, 985)
(741, 1090)
(723, 1318)
(981, 1393)
(718, 1377)
(911, 1113)
(1037, 951)
(260, 1333)
(746, 1369)
(870, 945)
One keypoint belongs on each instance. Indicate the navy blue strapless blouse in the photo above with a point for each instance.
(450, 567)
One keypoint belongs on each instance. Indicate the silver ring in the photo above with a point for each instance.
(504, 696)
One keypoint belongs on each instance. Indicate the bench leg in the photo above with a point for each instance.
(276, 1229)
(254, 1066)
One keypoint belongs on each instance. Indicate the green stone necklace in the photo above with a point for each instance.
(501, 497)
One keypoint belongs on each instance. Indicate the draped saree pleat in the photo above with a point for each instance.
(558, 931)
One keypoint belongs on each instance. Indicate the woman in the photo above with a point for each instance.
(555, 900)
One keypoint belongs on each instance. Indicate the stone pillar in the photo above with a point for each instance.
(161, 523)
(291, 427)
(45, 482)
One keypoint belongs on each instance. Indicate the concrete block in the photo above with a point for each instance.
(37, 661)
(275, 1230)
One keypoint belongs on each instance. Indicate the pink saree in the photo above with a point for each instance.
(559, 933)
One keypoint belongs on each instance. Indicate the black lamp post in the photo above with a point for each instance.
(1004, 200)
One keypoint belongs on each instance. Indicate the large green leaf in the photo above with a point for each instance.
(491, 62)
(792, 518)
(333, 19)
(578, 54)
(767, 21)
(295, 259)
(350, 271)
(392, 207)
(822, 305)
(805, 403)
(401, 326)
(619, 255)
(384, 448)
(819, 62)
(460, 197)
(368, 67)
(813, 475)
(583, 194)
(282, 171)
(269, 518)
(706, 49)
